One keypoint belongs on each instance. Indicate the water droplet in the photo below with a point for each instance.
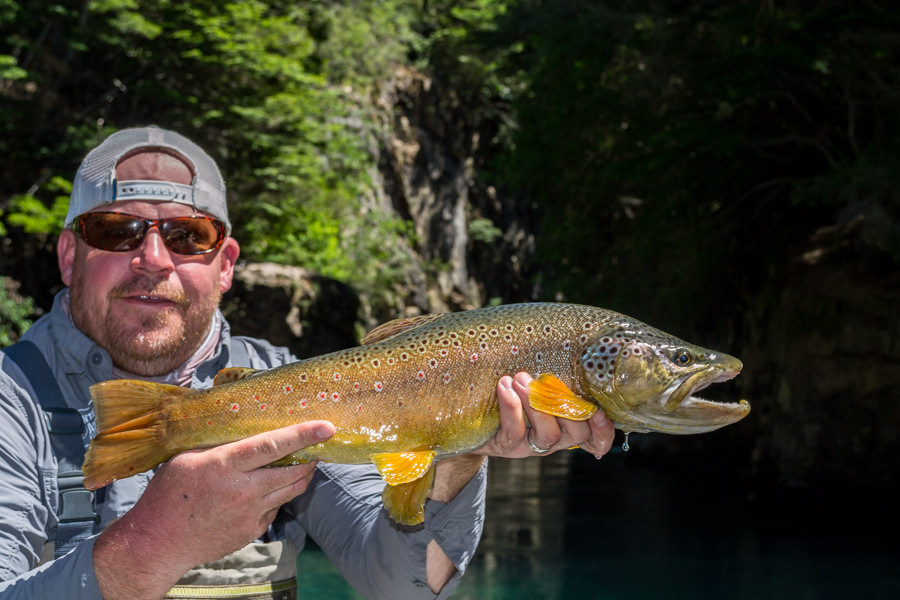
(625, 446)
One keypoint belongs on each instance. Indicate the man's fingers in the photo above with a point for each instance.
(264, 449)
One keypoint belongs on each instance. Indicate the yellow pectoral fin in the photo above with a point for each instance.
(402, 467)
(406, 502)
(549, 395)
(232, 374)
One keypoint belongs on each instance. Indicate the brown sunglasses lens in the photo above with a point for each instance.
(117, 232)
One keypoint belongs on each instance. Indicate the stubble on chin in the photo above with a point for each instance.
(151, 343)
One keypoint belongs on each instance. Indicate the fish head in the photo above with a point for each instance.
(646, 380)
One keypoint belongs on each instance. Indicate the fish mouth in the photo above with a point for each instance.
(686, 412)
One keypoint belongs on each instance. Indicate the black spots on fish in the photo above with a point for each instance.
(433, 363)
(303, 377)
(376, 363)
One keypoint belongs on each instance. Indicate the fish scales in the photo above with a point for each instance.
(422, 389)
(432, 386)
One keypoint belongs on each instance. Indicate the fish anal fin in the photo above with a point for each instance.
(386, 331)
(402, 467)
(232, 374)
(549, 395)
(405, 502)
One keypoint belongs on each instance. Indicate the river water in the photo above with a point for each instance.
(569, 526)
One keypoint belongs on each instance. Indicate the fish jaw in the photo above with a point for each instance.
(649, 380)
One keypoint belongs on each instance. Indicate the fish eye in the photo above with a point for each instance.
(683, 357)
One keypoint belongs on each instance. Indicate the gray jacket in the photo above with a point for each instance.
(377, 558)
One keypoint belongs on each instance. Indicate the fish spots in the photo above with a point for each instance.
(235, 407)
(420, 375)
(323, 395)
(356, 387)
(514, 350)
(447, 378)
(336, 376)
(379, 386)
(376, 363)
(335, 397)
(288, 388)
(473, 358)
(304, 404)
(404, 356)
(567, 345)
(303, 377)
(444, 352)
(433, 363)
(483, 346)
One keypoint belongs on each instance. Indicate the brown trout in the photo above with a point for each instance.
(422, 389)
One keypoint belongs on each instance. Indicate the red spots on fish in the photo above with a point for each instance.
(400, 403)
(447, 378)
(420, 375)
(474, 358)
(290, 411)
(288, 389)
(335, 397)
(514, 350)
(356, 387)
(359, 408)
(323, 395)
(209, 422)
(379, 386)
(303, 377)
(391, 360)
(567, 345)
(337, 376)
(235, 407)
(445, 352)
(303, 404)
(471, 387)
(262, 407)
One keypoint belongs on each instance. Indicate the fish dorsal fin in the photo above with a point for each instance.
(405, 503)
(386, 331)
(402, 467)
(232, 374)
(549, 395)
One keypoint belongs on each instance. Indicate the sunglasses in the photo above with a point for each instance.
(119, 232)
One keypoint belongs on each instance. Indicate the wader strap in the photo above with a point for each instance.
(77, 515)
(279, 590)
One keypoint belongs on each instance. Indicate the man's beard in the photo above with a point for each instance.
(149, 344)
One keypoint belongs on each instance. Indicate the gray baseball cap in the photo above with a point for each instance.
(96, 185)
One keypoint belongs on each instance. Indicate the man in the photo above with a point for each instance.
(146, 255)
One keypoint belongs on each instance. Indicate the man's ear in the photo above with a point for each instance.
(65, 255)
(228, 255)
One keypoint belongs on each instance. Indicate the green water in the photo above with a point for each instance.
(567, 526)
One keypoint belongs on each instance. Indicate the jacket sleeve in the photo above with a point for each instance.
(342, 511)
(28, 507)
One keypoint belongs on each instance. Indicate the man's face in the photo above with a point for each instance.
(150, 308)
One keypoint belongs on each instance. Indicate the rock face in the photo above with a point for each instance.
(293, 307)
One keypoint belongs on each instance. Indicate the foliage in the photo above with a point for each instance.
(662, 142)
(266, 87)
(14, 312)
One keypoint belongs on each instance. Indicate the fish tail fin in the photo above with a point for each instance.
(405, 502)
(129, 430)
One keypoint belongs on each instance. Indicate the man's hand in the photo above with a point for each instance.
(546, 432)
(200, 506)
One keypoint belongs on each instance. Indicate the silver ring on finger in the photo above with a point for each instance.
(534, 446)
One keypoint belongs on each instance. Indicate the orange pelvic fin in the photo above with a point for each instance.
(129, 424)
(549, 395)
(405, 502)
(232, 374)
(402, 467)
(386, 331)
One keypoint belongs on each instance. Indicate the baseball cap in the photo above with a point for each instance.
(96, 185)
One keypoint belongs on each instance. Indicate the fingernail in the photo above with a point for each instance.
(323, 432)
